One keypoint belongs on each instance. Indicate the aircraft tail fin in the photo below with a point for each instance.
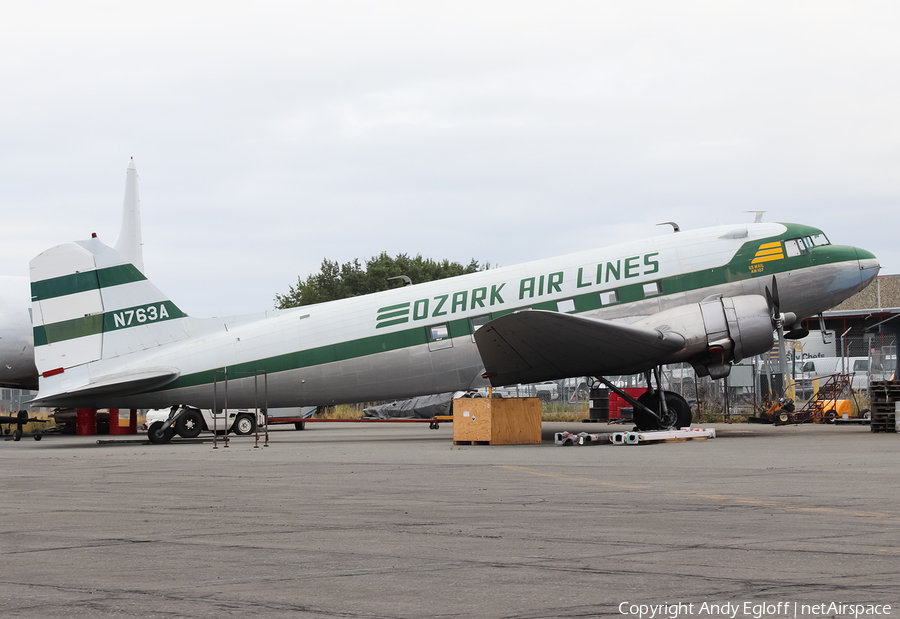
(91, 306)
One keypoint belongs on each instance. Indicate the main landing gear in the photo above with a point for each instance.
(652, 412)
(677, 415)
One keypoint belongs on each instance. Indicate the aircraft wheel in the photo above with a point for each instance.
(244, 425)
(679, 412)
(37, 436)
(299, 425)
(17, 435)
(157, 436)
(189, 425)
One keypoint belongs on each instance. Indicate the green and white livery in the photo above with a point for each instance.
(105, 336)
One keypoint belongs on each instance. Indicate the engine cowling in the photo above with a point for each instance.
(718, 331)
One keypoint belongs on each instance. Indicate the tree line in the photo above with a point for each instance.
(351, 279)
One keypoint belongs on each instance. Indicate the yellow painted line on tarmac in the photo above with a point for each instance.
(721, 498)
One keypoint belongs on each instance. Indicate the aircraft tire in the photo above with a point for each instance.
(674, 403)
(156, 436)
(189, 425)
(244, 425)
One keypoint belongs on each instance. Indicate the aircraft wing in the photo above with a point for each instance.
(536, 345)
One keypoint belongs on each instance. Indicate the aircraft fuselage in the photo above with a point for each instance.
(419, 339)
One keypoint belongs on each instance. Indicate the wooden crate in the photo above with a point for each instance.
(497, 421)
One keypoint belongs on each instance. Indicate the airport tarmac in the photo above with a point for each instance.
(347, 520)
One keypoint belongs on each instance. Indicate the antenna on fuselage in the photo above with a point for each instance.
(759, 215)
(675, 226)
(406, 280)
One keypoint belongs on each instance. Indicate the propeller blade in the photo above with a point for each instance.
(775, 300)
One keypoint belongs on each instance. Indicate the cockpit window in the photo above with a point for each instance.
(794, 247)
(819, 239)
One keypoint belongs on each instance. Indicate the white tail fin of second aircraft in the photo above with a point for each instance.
(129, 243)
(90, 304)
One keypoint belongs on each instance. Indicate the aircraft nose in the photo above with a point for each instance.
(868, 264)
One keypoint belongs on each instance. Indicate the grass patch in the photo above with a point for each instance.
(341, 411)
(562, 411)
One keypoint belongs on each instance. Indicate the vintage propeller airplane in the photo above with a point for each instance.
(105, 336)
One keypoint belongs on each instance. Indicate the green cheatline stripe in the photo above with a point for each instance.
(82, 282)
(737, 270)
(391, 308)
(68, 329)
(312, 357)
(391, 323)
(393, 314)
(104, 323)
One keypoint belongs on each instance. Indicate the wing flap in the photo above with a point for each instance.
(536, 345)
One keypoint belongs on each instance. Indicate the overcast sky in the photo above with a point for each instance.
(270, 135)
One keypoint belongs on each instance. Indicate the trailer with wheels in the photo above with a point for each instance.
(189, 422)
(20, 420)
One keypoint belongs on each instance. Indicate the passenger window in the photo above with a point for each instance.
(566, 306)
(479, 321)
(609, 297)
(439, 337)
(794, 247)
(652, 289)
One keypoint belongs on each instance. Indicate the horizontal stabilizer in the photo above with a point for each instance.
(125, 383)
(535, 345)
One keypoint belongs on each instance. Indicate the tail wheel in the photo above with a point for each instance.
(244, 425)
(189, 425)
(157, 435)
(679, 412)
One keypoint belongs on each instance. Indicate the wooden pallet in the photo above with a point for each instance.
(883, 395)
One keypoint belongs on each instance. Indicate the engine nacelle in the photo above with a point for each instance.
(717, 331)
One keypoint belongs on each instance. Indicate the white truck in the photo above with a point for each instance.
(188, 422)
(822, 367)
